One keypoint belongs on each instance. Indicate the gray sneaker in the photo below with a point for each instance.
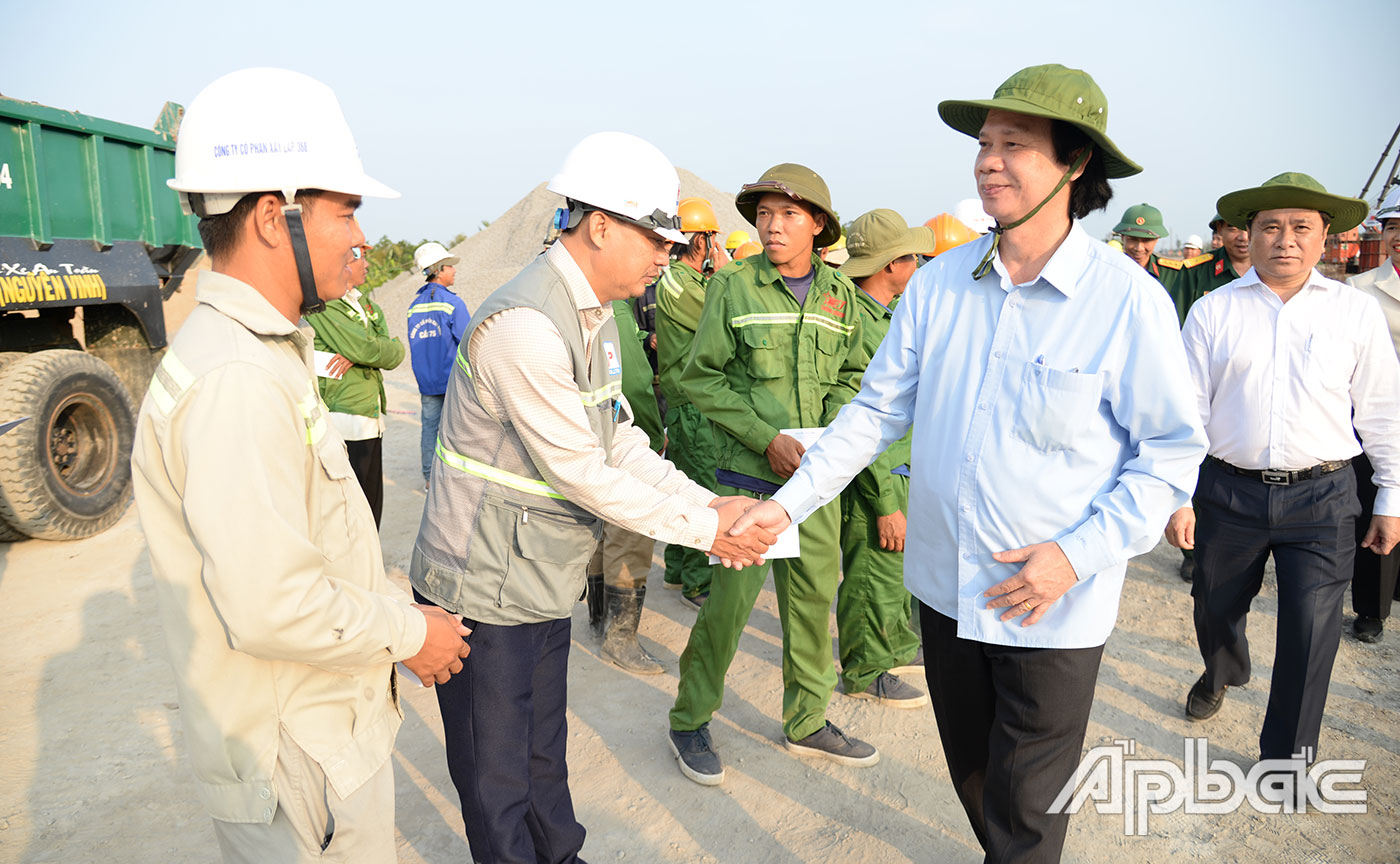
(831, 743)
(891, 692)
(697, 759)
(913, 667)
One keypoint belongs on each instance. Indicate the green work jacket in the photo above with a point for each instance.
(367, 344)
(877, 484)
(636, 376)
(680, 295)
(762, 363)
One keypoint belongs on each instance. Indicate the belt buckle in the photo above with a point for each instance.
(1275, 478)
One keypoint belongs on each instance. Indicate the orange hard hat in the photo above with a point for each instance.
(745, 250)
(697, 216)
(948, 233)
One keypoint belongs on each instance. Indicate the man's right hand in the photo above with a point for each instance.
(784, 454)
(443, 649)
(891, 529)
(769, 515)
(1181, 529)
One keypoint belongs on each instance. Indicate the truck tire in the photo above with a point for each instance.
(7, 532)
(65, 474)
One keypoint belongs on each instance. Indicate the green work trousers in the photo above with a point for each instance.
(872, 604)
(805, 587)
(691, 448)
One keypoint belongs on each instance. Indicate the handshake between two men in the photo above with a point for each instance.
(747, 528)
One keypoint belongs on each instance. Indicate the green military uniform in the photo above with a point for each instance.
(636, 376)
(762, 362)
(872, 604)
(680, 296)
(364, 340)
(1198, 276)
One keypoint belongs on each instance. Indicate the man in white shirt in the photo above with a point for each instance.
(1285, 362)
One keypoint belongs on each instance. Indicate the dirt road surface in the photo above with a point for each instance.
(93, 769)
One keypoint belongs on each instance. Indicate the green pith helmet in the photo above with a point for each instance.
(799, 183)
(1215, 222)
(1141, 220)
(1293, 189)
(1053, 92)
(879, 237)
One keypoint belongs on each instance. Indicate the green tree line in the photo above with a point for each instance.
(388, 258)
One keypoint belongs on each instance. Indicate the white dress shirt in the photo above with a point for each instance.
(1277, 383)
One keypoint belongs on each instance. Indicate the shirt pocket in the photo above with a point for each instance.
(767, 357)
(1055, 407)
(332, 497)
(1329, 362)
(831, 350)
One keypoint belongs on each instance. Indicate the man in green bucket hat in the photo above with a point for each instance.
(873, 607)
(778, 347)
(1285, 363)
(1055, 430)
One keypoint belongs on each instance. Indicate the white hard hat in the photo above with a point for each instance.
(1194, 240)
(266, 130)
(625, 175)
(969, 212)
(430, 255)
(1390, 207)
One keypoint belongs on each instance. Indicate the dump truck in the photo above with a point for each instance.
(92, 243)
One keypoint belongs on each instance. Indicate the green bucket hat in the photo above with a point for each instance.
(880, 236)
(1289, 190)
(799, 183)
(1053, 92)
(1141, 220)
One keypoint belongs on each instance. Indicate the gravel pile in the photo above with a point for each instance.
(493, 255)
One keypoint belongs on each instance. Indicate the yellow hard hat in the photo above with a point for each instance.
(746, 249)
(736, 239)
(697, 216)
(1115, 244)
(948, 233)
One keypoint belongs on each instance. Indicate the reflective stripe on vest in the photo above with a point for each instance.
(462, 362)
(611, 390)
(494, 475)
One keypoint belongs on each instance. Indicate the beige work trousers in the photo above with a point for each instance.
(312, 822)
(626, 557)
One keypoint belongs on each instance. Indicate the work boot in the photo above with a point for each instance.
(596, 604)
(620, 643)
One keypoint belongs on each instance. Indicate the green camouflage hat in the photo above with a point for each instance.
(880, 236)
(1053, 92)
(799, 183)
(1141, 220)
(1293, 189)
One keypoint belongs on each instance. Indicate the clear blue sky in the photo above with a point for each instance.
(463, 107)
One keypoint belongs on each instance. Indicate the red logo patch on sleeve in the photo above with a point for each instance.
(1219, 267)
(834, 306)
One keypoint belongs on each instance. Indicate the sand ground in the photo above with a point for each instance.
(93, 764)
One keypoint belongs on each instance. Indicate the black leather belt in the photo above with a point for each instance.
(1280, 477)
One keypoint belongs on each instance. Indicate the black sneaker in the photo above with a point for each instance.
(913, 667)
(697, 601)
(697, 760)
(1368, 629)
(891, 692)
(831, 743)
(1201, 704)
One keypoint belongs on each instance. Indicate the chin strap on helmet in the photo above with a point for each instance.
(708, 268)
(985, 266)
(311, 301)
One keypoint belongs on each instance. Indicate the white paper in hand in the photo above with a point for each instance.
(806, 436)
(784, 547)
(322, 360)
(407, 674)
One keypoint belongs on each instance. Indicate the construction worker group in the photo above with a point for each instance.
(1009, 400)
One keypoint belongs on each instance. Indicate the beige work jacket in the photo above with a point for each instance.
(269, 577)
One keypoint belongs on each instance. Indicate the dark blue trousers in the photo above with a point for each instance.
(506, 732)
(1310, 529)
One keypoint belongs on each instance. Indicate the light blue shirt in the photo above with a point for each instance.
(1061, 409)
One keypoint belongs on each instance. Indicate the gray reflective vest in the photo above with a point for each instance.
(497, 544)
